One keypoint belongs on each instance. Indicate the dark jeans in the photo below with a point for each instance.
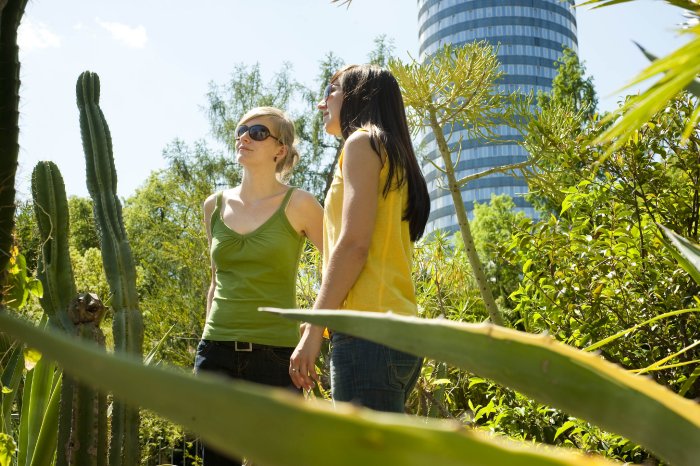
(373, 375)
(268, 365)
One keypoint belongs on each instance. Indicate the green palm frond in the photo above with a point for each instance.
(685, 4)
(679, 72)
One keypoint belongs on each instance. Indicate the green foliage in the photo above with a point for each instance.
(38, 433)
(493, 226)
(570, 88)
(8, 447)
(600, 267)
(26, 233)
(83, 234)
(444, 281)
(20, 284)
(89, 273)
(383, 51)
(159, 438)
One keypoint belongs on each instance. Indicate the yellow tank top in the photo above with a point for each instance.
(385, 282)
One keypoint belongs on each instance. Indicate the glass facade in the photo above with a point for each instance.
(530, 36)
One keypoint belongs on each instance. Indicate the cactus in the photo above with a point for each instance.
(54, 269)
(82, 418)
(11, 12)
(116, 256)
(85, 440)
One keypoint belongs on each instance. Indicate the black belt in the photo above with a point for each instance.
(246, 346)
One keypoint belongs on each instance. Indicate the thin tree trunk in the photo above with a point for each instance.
(463, 222)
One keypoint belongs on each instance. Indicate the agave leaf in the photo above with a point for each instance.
(46, 441)
(10, 380)
(275, 427)
(582, 384)
(686, 252)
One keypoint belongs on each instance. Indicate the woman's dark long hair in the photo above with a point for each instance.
(372, 100)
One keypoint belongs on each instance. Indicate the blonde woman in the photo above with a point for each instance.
(256, 235)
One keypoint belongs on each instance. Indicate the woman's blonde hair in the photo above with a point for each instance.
(283, 129)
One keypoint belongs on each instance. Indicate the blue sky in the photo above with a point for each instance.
(156, 58)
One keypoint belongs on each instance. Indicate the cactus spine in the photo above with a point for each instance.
(116, 256)
(11, 12)
(82, 418)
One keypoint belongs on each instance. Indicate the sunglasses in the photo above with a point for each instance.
(327, 91)
(256, 132)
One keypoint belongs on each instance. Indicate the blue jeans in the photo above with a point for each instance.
(370, 374)
(268, 365)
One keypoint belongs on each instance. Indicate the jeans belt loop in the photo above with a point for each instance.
(243, 347)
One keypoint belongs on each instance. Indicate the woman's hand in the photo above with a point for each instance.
(302, 363)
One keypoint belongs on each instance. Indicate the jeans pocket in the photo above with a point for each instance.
(404, 369)
(280, 355)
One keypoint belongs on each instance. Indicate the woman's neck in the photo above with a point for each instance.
(258, 186)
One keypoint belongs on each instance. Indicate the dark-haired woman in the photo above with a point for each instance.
(256, 234)
(377, 206)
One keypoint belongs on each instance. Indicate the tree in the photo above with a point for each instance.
(83, 230)
(457, 89)
(164, 221)
(383, 51)
(570, 88)
(494, 224)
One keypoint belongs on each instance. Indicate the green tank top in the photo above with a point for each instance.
(254, 270)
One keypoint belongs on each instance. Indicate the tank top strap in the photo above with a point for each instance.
(287, 197)
(216, 213)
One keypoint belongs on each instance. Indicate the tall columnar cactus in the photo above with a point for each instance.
(54, 270)
(82, 419)
(11, 12)
(116, 256)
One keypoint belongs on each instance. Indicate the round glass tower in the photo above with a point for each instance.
(530, 36)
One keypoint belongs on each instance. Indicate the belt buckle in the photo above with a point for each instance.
(245, 349)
